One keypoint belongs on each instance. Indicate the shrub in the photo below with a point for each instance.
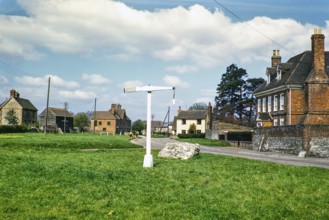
(239, 136)
(13, 129)
(202, 135)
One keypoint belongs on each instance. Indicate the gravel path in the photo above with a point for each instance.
(276, 157)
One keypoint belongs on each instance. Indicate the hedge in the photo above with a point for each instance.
(202, 135)
(239, 136)
(12, 129)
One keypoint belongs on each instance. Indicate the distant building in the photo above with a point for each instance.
(58, 118)
(200, 118)
(158, 127)
(114, 120)
(25, 110)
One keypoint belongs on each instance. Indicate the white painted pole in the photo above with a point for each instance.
(148, 158)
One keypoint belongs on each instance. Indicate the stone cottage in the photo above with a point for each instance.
(25, 111)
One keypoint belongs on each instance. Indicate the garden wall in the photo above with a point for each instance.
(314, 139)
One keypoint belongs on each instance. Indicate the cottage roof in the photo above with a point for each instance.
(295, 71)
(60, 112)
(104, 115)
(24, 103)
(120, 114)
(155, 124)
(192, 114)
(222, 126)
(114, 113)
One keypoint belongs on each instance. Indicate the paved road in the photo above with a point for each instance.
(276, 157)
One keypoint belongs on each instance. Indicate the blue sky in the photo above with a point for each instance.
(95, 48)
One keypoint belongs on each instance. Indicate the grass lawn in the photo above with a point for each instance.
(86, 140)
(56, 182)
(205, 142)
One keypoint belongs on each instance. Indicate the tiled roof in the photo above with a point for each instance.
(232, 127)
(104, 115)
(192, 114)
(295, 71)
(121, 113)
(60, 112)
(24, 103)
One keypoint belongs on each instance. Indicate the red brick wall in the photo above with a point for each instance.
(297, 106)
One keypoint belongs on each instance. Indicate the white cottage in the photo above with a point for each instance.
(184, 120)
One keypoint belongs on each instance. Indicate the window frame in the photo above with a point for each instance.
(264, 104)
(275, 105)
(282, 102)
(259, 105)
(269, 104)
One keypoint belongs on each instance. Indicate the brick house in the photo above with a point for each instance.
(295, 97)
(58, 118)
(25, 110)
(114, 120)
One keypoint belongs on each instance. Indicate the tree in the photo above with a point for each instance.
(249, 99)
(11, 117)
(192, 129)
(81, 120)
(138, 126)
(229, 101)
(198, 106)
(235, 102)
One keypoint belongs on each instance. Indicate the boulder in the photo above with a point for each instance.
(180, 150)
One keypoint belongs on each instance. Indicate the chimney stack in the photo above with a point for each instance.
(276, 58)
(113, 108)
(318, 51)
(14, 94)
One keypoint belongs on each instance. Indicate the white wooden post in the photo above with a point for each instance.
(148, 158)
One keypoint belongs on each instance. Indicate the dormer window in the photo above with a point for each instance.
(278, 72)
(268, 78)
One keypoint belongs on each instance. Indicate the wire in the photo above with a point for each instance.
(252, 27)
(13, 71)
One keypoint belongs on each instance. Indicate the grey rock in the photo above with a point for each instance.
(180, 150)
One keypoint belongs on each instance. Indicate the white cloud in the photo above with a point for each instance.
(3, 80)
(182, 69)
(193, 34)
(175, 81)
(132, 83)
(95, 79)
(76, 95)
(206, 96)
(43, 81)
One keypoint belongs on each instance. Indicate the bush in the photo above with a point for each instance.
(239, 136)
(202, 135)
(13, 129)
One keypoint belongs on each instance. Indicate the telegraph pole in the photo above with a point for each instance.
(47, 104)
(65, 107)
(95, 116)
